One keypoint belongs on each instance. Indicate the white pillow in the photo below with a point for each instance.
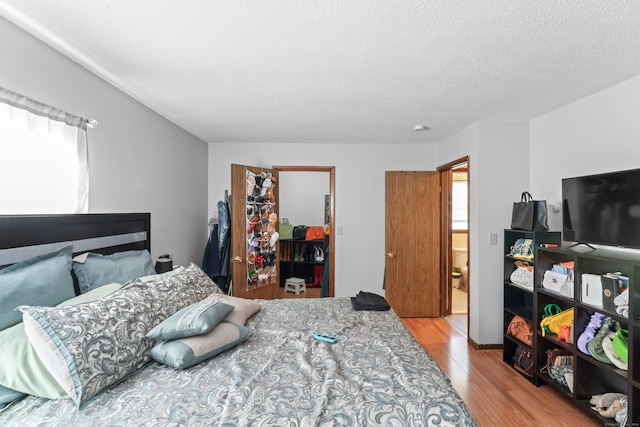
(244, 308)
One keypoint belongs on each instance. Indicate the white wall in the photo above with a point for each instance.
(139, 161)
(596, 134)
(498, 154)
(302, 196)
(359, 195)
(600, 133)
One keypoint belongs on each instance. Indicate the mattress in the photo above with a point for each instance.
(375, 374)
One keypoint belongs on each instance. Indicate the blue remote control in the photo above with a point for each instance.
(325, 338)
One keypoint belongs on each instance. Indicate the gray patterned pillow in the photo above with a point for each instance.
(91, 346)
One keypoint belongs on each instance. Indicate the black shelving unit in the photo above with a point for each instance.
(519, 300)
(591, 377)
(292, 266)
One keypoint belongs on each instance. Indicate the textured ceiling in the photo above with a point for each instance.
(357, 71)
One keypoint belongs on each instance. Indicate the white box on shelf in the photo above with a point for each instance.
(591, 289)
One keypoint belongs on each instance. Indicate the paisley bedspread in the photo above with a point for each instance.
(375, 375)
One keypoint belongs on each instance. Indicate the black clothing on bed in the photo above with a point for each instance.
(369, 301)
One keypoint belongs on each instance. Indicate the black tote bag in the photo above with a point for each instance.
(529, 214)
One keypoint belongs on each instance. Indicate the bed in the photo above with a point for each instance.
(270, 371)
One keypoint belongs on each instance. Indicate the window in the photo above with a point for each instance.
(43, 158)
(459, 201)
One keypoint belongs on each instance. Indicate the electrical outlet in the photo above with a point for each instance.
(493, 238)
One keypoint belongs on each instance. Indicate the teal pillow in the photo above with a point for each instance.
(186, 352)
(95, 270)
(21, 370)
(7, 396)
(196, 319)
(43, 280)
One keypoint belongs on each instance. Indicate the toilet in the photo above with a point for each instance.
(465, 277)
(460, 270)
(457, 279)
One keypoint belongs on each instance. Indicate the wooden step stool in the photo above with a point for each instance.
(293, 284)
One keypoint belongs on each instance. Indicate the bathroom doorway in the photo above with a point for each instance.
(459, 241)
(455, 243)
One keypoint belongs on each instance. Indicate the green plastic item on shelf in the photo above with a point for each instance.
(550, 310)
(620, 345)
(595, 345)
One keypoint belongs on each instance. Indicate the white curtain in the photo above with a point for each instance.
(43, 158)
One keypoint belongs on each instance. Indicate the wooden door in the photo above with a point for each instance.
(412, 239)
(254, 273)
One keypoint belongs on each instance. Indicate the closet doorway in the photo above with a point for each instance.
(455, 222)
(288, 174)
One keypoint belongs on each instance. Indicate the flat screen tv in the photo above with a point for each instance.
(602, 209)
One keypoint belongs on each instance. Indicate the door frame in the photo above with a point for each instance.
(332, 212)
(446, 245)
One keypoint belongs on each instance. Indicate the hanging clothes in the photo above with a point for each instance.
(211, 257)
(214, 253)
(324, 291)
(216, 261)
(223, 278)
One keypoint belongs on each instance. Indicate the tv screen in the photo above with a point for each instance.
(602, 209)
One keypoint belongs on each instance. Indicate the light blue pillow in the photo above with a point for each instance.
(186, 352)
(7, 396)
(95, 270)
(109, 335)
(43, 280)
(197, 319)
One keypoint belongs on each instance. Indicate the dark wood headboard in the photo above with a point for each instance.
(24, 236)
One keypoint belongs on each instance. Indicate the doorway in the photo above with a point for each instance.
(328, 207)
(455, 243)
(245, 270)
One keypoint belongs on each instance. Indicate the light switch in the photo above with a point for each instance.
(493, 238)
(339, 230)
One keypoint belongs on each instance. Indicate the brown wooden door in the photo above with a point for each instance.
(412, 239)
(248, 261)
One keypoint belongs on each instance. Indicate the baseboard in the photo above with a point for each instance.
(477, 346)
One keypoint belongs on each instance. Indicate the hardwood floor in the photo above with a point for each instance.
(310, 293)
(496, 394)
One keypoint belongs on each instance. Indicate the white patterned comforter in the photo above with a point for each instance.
(375, 375)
